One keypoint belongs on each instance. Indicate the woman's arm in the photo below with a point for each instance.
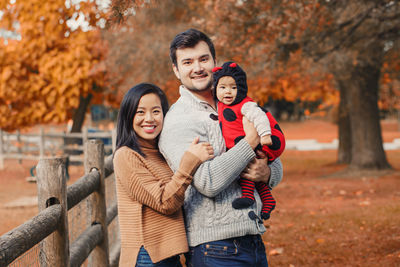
(141, 185)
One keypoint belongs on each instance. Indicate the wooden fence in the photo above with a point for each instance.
(50, 226)
(32, 146)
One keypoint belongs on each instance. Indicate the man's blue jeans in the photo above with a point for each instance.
(143, 260)
(242, 251)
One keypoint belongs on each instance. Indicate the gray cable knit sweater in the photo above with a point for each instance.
(209, 215)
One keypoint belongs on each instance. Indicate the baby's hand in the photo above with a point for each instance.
(266, 140)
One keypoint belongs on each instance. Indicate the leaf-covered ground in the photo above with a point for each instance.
(324, 215)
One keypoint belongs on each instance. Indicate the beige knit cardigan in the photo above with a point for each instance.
(150, 197)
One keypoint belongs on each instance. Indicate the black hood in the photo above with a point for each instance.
(236, 72)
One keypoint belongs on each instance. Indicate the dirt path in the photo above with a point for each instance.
(323, 217)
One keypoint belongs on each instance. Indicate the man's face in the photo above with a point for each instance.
(194, 67)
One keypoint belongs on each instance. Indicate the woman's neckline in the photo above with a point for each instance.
(144, 143)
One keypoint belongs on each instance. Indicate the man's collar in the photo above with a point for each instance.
(186, 95)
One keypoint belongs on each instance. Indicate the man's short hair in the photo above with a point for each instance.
(189, 38)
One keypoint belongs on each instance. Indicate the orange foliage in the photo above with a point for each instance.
(43, 75)
(389, 97)
(277, 42)
(255, 34)
(139, 48)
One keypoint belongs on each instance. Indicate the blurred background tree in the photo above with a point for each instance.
(303, 56)
(348, 40)
(312, 51)
(54, 66)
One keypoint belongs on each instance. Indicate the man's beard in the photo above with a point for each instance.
(207, 87)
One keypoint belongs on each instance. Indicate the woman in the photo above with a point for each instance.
(149, 195)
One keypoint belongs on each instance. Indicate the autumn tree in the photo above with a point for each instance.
(139, 45)
(142, 42)
(54, 68)
(389, 94)
(301, 49)
(347, 39)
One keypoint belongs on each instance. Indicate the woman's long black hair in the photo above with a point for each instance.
(126, 136)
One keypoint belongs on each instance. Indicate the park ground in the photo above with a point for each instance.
(325, 216)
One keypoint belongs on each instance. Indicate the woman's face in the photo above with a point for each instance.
(149, 118)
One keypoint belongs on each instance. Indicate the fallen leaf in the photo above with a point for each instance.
(358, 193)
(276, 251)
(320, 240)
(365, 203)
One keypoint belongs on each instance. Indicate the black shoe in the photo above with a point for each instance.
(265, 216)
(242, 202)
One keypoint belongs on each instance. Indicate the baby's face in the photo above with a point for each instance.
(226, 90)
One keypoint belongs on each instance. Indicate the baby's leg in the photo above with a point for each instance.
(268, 202)
(247, 198)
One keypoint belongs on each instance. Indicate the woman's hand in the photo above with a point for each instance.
(204, 151)
(251, 133)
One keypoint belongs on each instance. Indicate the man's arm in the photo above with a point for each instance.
(259, 171)
(214, 175)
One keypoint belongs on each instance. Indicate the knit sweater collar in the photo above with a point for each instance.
(147, 144)
(192, 100)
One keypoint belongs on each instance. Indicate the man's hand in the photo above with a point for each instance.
(257, 170)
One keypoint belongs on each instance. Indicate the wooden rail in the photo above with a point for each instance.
(28, 152)
(50, 226)
(24, 237)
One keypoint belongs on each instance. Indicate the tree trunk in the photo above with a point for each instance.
(79, 115)
(344, 127)
(77, 122)
(366, 147)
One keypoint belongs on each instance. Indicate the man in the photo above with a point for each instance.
(218, 234)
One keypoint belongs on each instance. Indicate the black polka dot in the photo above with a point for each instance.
(229, 115)
(278, 128)
(237, 139)
(276, 143)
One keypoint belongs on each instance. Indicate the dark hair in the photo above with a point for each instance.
(126, 136)
(189, 38)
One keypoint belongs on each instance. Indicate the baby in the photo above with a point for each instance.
(230, 88)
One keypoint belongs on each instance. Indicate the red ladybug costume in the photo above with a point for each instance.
(230, 117)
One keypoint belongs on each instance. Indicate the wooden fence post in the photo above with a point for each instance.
(1, 151)
(94, 159)
(85, 138)
(41, 142)
(51, 185)
(19, 147)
